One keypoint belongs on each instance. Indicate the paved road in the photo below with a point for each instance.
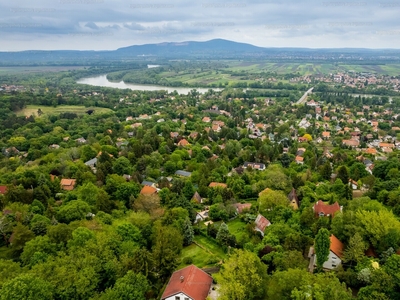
(304, 97)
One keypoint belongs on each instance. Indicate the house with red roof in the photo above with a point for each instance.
(335, 254)
(183, 143)
(217, 184)
(148, 190)
(68, 184)
(240, 207)
(189, 283)
(3, 189)
(261, 223)
(321, 209)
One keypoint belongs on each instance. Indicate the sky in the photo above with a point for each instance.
(111, 24)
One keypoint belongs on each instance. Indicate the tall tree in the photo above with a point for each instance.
(355, 250)
(188, 233)
(130, 287)
(242, 277)
(26, 287)
(343, 174)
(223, 235)
(322, 246)
(166, 249)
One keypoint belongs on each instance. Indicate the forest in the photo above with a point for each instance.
(104, 204)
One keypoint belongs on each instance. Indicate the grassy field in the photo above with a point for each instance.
(200, 257)
(33, 109)
(312, 68)
(211, 246)
(237, 228)
(27, 69)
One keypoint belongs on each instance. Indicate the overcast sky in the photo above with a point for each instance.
(111, 24)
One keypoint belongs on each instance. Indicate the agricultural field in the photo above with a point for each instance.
(49, 110)
(41, 69)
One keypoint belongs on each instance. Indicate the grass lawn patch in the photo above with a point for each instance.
(49, 110)
(200, 257)
(211, 245)
(237, 228)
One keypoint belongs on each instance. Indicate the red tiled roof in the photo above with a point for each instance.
(326, 209)
(148, 190)
(68, 184)
(214, 184)
(262, 222)
(191, 281)
(241, 206)
(183, 142)
(3, 189)
(336, 246)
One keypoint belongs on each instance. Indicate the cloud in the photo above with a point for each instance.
(67, 24)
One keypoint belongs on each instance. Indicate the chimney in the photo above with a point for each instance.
(182, 278)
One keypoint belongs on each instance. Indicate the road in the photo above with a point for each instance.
(304, 97)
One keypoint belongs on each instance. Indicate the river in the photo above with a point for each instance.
(103, 81)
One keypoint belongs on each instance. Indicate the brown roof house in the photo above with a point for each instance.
(148, 190)
(240, 207)
(197, 198)
(261, 223)
(68, 184)
(335, 254)
(321, 209)
(293, 199)
(189, 283)
(3, 189)
(217, 184)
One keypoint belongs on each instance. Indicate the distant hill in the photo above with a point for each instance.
(213, 49)
(191, 48)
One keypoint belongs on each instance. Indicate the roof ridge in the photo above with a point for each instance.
(187, 280)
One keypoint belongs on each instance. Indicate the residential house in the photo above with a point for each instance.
(326, 135)
(194, 135)
(240, 207)
(183, 173)
(335, 254)
(148, 190)
(92, 162)
(148, 183)
(201, 216)
(183, 143)
(321, 209)
(353, 184)
(189, 283)
(293, 199)
(261, 223)
(68, 184)
(197, 198)
(217, 184)
(256, 166)
(351, 143)
(174, 135)
(3, 189)
(206, 119)
(299, 160)
(81, 140)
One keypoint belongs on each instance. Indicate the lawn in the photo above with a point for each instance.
(211, 245)
(36, 69)
(237, 228)
(200, 257)
(32, 109)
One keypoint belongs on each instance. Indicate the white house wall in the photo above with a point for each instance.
(332, 262)
(181, 296)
